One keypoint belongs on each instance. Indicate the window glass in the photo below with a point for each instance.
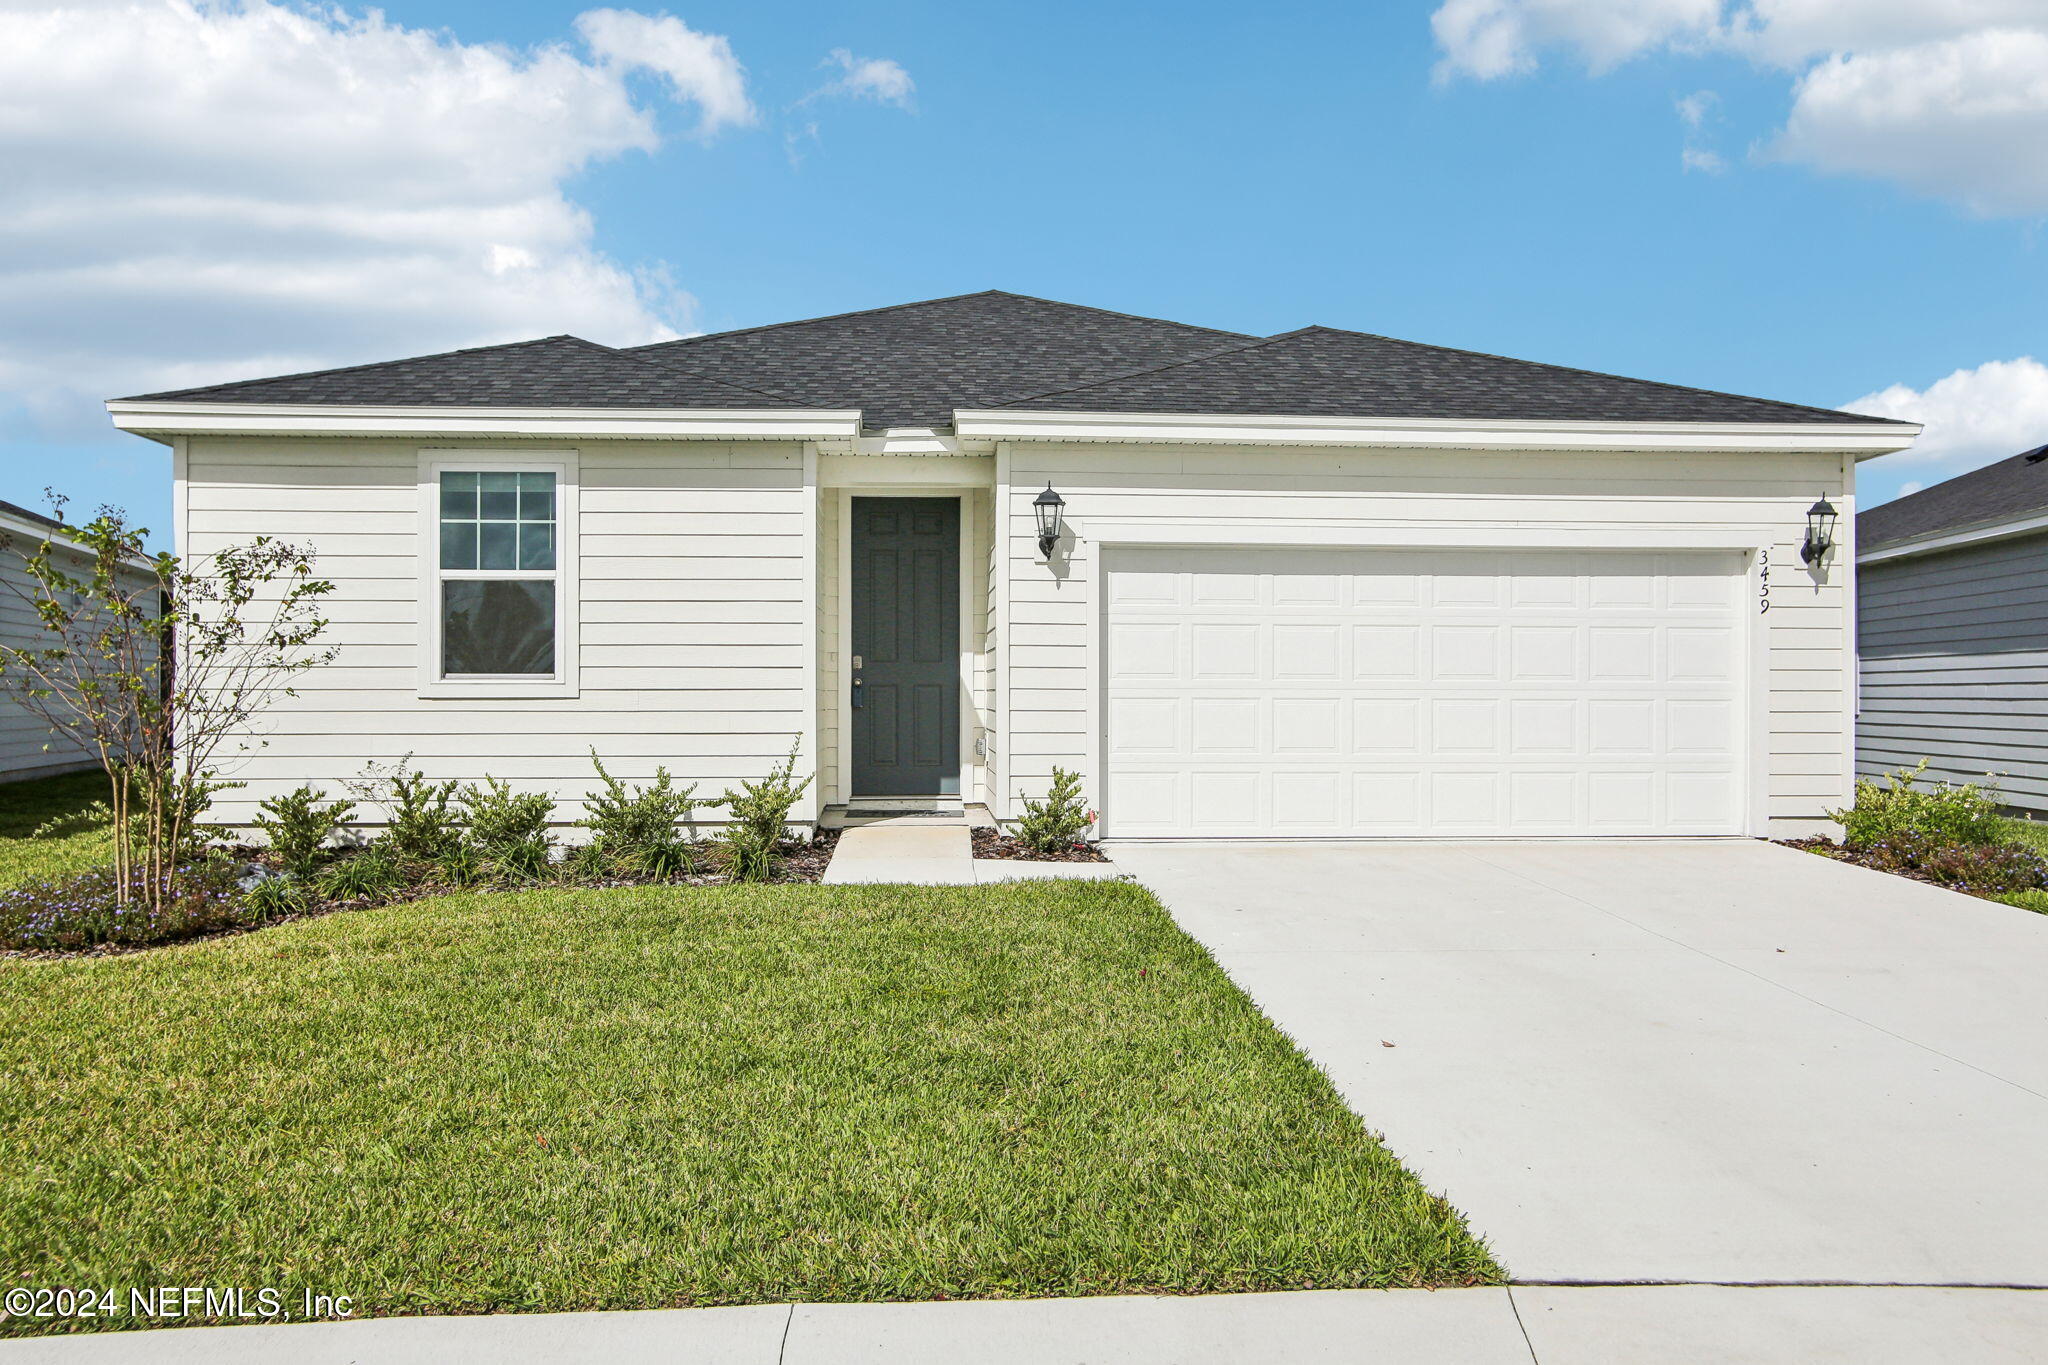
(498, 522)
(497, 626)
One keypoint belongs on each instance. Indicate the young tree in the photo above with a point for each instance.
(152, 665)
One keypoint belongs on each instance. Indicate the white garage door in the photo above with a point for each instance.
(1349, 693)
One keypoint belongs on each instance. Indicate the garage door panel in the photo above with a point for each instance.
(1290, 693)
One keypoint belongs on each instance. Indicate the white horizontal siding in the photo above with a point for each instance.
(29, 747)
(1294, 496)
(692, 597)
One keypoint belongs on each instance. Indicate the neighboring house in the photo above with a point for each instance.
(28, 748)
(1310, 585)
(1952, 630)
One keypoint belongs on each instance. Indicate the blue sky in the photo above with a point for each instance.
(1257, 169)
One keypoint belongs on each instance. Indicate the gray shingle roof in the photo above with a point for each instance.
(553, 372)
(2011, 488)
(914, 363)
(1327, 372)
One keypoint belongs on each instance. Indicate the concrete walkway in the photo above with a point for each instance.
(935, 853)
(1721, 1061)
(1523, 1326)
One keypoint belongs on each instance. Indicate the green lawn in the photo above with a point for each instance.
(26, 806)
(631, 1098)
(2033, 833)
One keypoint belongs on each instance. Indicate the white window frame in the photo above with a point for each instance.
(563, 465)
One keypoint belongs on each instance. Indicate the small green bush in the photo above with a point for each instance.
(1060, 820)
(1943, 812)
(508, 830)
(421, 826)
(297, 827)
(460, 866)
(634, 832)
(760, 821)
(371, 875)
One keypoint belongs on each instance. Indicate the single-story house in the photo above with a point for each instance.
(28, 747)
(1318, 584)
(1952, 630)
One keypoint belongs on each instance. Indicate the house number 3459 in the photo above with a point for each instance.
(1763, 593)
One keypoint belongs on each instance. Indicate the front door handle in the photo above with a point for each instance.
(856, 694)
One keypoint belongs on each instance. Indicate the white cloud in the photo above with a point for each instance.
(1972, 416)
(1945, 97)
(872, 78)
(201, 191)
(1699, 159)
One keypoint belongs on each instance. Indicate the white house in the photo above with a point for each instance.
(28, 746)
(1320, 584)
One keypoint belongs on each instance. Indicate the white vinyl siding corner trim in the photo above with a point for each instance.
(563, 682)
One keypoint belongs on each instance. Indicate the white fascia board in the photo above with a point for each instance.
(2003, 529)
(165, 420)
(1859, 439)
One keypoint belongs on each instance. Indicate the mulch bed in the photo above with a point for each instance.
(1842, 853)
(993, 843)
(801, 863)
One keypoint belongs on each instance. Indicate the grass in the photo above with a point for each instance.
(2034, 834)
(649, 1097)
(27, 806)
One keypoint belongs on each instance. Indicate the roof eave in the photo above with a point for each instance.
(1956, 537)
(1862, 440)
(165, 421)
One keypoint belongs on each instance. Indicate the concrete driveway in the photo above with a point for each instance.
(1704, 1061)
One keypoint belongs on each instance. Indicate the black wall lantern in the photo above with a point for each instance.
(1049, 506)
(1820, 532)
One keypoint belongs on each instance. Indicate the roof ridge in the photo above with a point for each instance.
(1252, 344)
(1596, 374)
(366, 365)
(925, 303)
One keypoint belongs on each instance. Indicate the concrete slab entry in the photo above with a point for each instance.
(1591, 1057)
(907, 852)
(1387, 1327)
(1718, 1325)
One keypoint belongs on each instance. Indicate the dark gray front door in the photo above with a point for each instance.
(906, 646)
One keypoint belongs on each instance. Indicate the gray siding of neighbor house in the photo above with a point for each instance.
(1953, 650)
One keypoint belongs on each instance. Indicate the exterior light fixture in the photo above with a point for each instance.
(1049, 506)
(1820, 532)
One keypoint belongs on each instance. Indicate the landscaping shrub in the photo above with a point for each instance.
(277, 897)
(508, 830)
(372, 874)
(1059, 820)
(1942, 812)
(460, 866)
(85, 909)
(760, 820)
(297, 827)
(422, 826)
(634, 832)
(1993, 869)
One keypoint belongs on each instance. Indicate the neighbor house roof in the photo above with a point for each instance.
(914, 364)
(2010, 489)
(553, 372)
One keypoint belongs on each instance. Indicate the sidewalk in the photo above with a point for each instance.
(1671, 1325)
